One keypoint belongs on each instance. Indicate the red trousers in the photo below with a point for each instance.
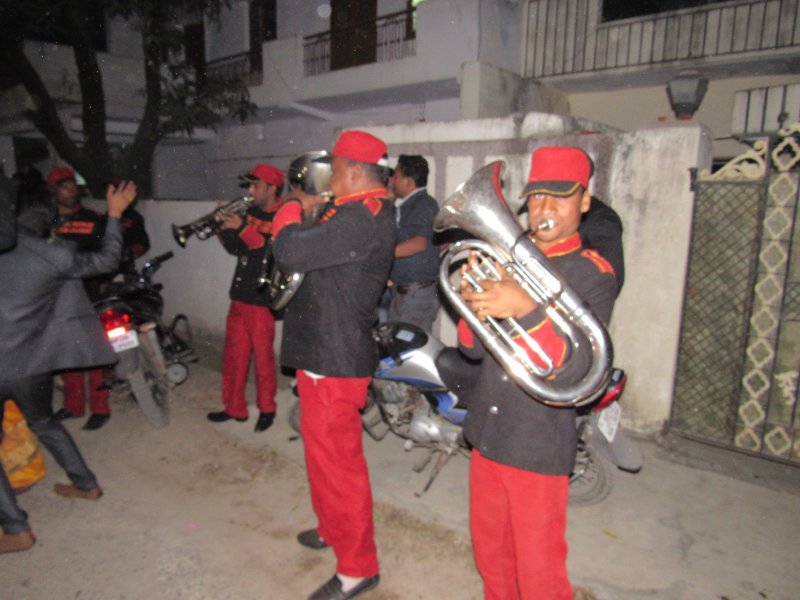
(518, 521)
(337, 470)
(249, 330)
(75, 392)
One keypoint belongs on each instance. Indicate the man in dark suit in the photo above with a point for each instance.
(8, 195)
(47, 323)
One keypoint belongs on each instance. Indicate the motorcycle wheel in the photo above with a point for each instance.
(591, 480)
(152, 396)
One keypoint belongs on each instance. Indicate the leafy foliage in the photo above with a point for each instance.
(178, 97)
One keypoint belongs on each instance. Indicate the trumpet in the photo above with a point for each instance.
(208, 224)
(310, 172)
(479, 208)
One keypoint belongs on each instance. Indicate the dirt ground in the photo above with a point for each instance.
(201, 511)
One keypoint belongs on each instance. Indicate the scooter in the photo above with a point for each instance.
(414, 394)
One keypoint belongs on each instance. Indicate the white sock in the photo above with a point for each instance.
(348, 583)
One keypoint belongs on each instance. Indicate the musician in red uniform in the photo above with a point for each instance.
(523, 450)
(346, 257)
(85, 227)
(250, 326)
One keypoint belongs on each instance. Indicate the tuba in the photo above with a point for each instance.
(478, 207)
(311, 173)
(207, 225)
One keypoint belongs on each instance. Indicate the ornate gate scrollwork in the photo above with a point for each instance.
(737, 381)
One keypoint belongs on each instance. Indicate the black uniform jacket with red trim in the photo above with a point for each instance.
(250, 244)
(346, 258)
(505, 423)
(85, 228)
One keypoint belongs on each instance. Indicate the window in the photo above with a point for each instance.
(614, 10)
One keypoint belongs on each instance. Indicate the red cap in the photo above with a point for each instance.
(59, 174)
(266, 173)
(558, 171)
(361, 146)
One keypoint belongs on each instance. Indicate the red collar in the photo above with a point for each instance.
(565, 246)
(380, 192)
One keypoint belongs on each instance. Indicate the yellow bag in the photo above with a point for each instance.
(19, 451)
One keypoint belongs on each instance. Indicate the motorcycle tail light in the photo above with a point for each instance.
(613, 391)
(115, 322)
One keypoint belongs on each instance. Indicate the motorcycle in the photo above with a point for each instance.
(152, 356)
(414, 395)
(146, 305)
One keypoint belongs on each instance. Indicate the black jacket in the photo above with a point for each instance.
(506, 424)
(250, 244)
(346, 258)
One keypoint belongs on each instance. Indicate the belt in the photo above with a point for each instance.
(406, 288)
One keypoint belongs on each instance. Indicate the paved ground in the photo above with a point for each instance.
(203, 511)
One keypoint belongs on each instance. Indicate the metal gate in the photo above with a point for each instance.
(739, 357)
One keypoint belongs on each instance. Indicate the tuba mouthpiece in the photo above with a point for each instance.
(546, 225)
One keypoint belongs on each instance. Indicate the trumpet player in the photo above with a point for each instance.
(524, 450)
(346, 257)
(250, 325)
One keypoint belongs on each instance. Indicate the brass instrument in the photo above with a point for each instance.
(478, 207)
(311, 173)
(208, 224)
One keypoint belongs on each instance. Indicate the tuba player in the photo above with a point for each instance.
(523, 450)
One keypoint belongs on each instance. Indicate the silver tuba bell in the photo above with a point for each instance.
(478, 207)
(311, 173)
(207, 225)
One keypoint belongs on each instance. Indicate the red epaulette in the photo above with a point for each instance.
(601, 263)
(373, 204)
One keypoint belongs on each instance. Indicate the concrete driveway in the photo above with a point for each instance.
(204, 511)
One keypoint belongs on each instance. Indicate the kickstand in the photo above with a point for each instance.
(422, 462)
(441, 461)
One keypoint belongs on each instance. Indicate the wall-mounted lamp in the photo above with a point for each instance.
(686, 92)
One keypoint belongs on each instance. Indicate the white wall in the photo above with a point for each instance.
(632, 108)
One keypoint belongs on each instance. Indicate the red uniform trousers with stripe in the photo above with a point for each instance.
(518, 520)
(249, 329)
(75, 392)
(337, 469)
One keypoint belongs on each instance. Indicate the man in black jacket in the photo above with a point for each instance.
(250, 327)
(346, 257)
(84, 227)
(47, 323)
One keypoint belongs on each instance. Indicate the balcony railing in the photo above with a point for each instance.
(390, 37)
(565, 36)
(242, 66)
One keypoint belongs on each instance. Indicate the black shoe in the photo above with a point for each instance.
(96, 421)
(64, 414)
(332, 589)
(310, 539)
(265, 421)
(221, 416)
